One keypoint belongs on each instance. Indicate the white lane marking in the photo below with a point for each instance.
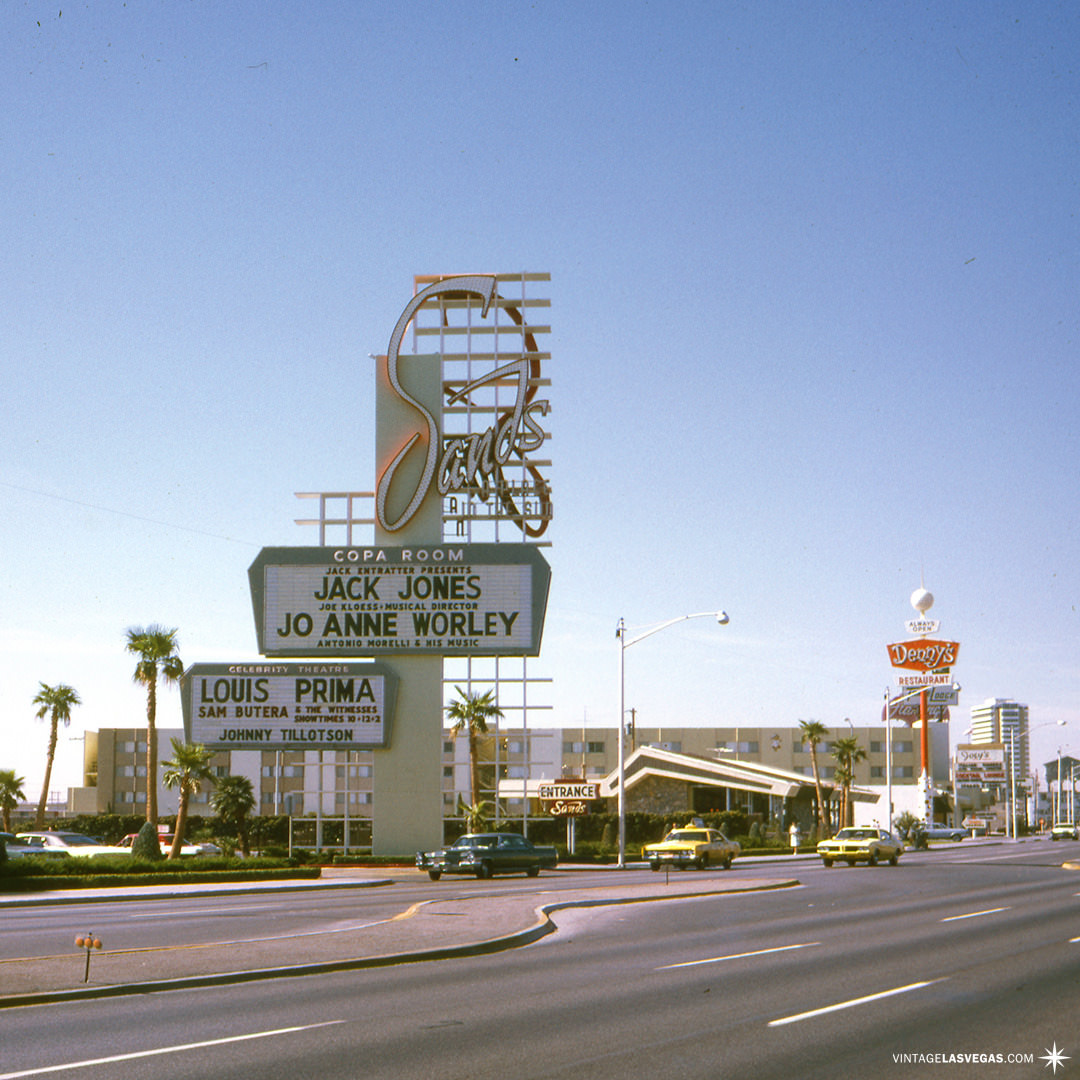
(187, 913)
(733, 956)
(976, 914)
(166, 1050)
(843, 1004)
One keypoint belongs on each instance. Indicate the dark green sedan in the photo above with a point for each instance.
(486, 854)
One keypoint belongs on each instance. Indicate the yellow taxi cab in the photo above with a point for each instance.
(692, 846)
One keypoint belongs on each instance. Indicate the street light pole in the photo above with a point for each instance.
(1012, 765)
(1012, 778)
(888, 764)
(620, 632)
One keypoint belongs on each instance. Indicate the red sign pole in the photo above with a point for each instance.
(925, 745)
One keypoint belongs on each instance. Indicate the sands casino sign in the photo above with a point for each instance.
(488, 469)
(461, 423)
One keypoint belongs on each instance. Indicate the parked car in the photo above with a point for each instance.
(1063, 830)
(944, 832)
(17, 848)
(694, 846)
(861, 844)
(72, 843)
(166, 842)
(485, 854)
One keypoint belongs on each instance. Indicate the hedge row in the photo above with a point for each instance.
(29, 874)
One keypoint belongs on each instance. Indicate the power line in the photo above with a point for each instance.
(126, 514)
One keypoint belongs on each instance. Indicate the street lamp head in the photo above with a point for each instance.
(722, 618)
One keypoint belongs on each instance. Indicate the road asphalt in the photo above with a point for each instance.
(434, 929)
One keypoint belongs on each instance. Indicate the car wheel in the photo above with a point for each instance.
(434, 874)
(654, 866)
(727, 862)
(894, 859)
(872, 861)
(850, 862)
(533, 871)
(484, 870)
(702, 862)
(828, 863)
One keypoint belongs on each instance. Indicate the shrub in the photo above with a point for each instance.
(146, 845)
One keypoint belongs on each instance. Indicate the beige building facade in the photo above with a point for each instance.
(513, 764)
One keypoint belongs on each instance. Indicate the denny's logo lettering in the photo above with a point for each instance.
(924, 654)
(472, 463)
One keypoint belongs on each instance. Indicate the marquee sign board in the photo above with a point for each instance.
(257, 706)
(451, 600)
(981, 764)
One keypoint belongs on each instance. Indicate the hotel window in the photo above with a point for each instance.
(583, 747)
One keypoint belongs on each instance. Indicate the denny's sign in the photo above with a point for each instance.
(928, 661)
(924, 654)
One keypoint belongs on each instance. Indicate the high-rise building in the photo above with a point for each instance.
(1002, 721)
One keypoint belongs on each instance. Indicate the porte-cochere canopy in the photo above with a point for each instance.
(661, 781)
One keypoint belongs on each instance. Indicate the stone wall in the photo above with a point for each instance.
(659, 795)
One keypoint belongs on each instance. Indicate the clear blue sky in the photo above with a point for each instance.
(814, 312)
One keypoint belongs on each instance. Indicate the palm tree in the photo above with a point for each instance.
(848, 753)
(55, 702)
(470, 713)
(233, 800)
(476, 816)
(188, 770)
(156, 649)
(813, 732)
(11, 793)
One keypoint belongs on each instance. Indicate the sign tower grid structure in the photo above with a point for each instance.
(487, 412)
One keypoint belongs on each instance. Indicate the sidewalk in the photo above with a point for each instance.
(435, 929)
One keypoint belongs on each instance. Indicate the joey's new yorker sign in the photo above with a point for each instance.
(453, 599)
(257, 706)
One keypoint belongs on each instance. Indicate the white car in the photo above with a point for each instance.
(71, 843)
(17, 848)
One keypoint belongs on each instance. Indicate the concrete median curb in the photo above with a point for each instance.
(400, 929)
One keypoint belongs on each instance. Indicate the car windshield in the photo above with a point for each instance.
(75, 840)
(856, 834)
(687, 834)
